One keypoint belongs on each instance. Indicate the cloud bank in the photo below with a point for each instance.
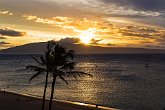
(11, 32)
(3, 43)
(6, 13)
(69, 40)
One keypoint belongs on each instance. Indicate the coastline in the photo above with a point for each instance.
(13, 101)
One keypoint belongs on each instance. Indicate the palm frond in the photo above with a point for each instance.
(59, 72)
(50, 45)
(69, 65)
(35, 68)
(77, 73)
(37, 61)
(43, 60)
(71, 54)
(49, 59)
(62, 78)
(35, 75)
(59, 50)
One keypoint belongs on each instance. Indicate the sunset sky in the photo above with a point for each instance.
(109, 23)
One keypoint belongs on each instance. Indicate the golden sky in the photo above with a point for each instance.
(95, 22)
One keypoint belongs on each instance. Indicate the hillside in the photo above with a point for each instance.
(37, 48)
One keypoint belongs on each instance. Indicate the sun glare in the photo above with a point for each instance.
(87, 35)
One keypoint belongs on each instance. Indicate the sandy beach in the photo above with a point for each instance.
(13, 101)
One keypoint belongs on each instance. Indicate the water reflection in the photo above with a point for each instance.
(118, 81)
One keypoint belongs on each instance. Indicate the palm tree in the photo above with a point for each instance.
(44, 66)
(57, 62)
(63, 66)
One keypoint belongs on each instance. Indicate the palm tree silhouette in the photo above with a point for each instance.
(44, 66)
(59, 63)
(63, 66)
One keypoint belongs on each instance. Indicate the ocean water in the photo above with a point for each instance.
(119, 80)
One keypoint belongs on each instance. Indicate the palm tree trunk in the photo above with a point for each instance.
(52, 92)
(46, 83)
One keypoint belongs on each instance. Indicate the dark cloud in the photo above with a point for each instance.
(147, 42)
(147, 5)
(139, 31)
(10, 32)
(3, 43)
(48, 7)
(136, 34)
(161, 39)
(110, 44)
(94, 41)
(150, 30)
(69, 40)
(131, 27)
(142, 29)
(2, 37)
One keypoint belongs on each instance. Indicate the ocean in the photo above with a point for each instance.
(126, 81)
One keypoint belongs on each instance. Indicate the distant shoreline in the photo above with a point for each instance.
(39, 47)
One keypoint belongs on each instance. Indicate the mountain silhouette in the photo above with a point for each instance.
(38, 48)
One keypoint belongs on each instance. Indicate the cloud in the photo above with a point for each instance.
(94, 41)
(69, 40)
(130, 13)
(154, 5)
(148, 30)
(139, 31)
(77, 41)
(133, 35)
(129, 8)
(136, 34)
(77, 25)
(54, 21)
(146, 42)
(4, 43)
(126, 8)
(11, 32)
(161, 38)
(2, 37)
(117, 8)
(110, 44)
(6, 13)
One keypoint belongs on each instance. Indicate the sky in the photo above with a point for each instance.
(107, 23)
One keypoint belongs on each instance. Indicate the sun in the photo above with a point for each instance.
(86, 36)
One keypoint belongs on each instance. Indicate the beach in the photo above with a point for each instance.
(13, 101)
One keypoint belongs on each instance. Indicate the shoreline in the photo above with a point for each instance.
(13, 101)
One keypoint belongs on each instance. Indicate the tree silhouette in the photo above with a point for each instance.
(63, 66)
(43, 66)
(57, 62)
